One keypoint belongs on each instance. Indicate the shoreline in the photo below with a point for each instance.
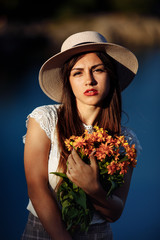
(131, 31)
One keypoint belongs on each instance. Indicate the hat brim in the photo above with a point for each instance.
(50, 79)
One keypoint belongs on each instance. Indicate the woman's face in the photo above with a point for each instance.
(89, 80)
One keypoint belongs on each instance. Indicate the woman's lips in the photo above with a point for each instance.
(91, 92)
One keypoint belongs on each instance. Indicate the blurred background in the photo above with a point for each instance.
(30, 33)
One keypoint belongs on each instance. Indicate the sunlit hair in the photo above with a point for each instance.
(69, 122)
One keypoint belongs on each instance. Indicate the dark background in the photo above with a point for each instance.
(31, 32)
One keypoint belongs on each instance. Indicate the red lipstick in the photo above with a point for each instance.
(91, 92)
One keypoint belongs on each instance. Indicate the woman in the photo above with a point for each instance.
(87, 77)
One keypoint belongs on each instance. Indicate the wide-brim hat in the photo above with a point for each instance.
(50, 78)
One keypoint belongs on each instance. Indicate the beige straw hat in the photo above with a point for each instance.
(50, 77)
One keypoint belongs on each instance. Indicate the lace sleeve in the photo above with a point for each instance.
(131, 138)
(46, 116)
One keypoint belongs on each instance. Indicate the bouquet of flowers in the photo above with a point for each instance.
(113, 156)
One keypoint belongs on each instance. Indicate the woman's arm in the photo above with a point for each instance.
(86, 177)
(112, 207)
(36, 153)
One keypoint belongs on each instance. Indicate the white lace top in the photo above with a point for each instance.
(46, 116)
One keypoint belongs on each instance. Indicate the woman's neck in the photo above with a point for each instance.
(88, 114)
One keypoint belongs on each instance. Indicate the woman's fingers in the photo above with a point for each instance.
(71, 160)
(83, 175)
(76, 157)
(74, 160)
(71, 164)
(93, 161)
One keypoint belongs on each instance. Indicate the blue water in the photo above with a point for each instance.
(140, 219)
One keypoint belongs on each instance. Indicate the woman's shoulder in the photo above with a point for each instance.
(46, 116)
(131, 137)
(45, 110)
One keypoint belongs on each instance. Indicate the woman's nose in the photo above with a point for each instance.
(89, 79)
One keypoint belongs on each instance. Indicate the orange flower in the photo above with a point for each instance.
(124, 167)
(131, 152)
(89, 150)
(68, 144)
(90, 138)
(105, 146)
(113, 167)
(100, 134)
(94, 137)
(79, 142)
(133, 162)
(117, 154)
(119, 140)
(103, 150)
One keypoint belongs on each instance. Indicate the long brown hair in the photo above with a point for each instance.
(69, 122)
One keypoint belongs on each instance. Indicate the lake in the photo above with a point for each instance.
(141, 101)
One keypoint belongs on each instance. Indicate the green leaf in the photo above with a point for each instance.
(69, 226)
(62, 175)
(66, 203)
(113, 187)
(103, 171)
(82, 199)
(125, 158)
(75, 187)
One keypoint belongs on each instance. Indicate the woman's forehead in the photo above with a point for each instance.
(87, 59)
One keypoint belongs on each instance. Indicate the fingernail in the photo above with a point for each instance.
(92, 153)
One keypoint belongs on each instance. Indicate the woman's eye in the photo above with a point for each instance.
(76, 74)
(99, 70)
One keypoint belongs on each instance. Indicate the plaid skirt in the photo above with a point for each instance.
(34, 230)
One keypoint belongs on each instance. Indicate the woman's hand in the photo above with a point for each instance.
(83, 175)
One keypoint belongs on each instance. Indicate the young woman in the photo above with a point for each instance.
(87, 78)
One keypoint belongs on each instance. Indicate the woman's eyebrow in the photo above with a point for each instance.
(94, 66)
(73, 69)
(97, 65)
